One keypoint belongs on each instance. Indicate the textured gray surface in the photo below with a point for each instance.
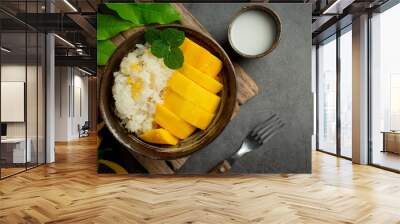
(284, 79)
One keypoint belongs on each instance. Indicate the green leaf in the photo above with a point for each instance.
(173, 37)
(159, 48)
(105, 48)
(146, 13)
(151, 35)
(131, 15)
(109, 26)
(174, 58)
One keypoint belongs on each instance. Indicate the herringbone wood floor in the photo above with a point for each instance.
(70, 191)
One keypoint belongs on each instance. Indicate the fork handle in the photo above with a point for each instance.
(221, 168)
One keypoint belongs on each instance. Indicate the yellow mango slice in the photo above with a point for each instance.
(186, 110)
(194, 93)
(159, 136)
(200, 78)
(200, 58)
(172, 123)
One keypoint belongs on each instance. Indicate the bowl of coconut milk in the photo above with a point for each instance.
(254, 31)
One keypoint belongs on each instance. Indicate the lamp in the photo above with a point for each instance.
(70, 5)
(84, 71)
(5, 50)
(64, 40)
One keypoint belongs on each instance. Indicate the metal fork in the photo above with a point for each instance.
(261, 134)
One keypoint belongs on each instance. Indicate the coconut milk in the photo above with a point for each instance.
(253, 32)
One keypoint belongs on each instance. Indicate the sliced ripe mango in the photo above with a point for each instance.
(194, 93)
(200, 58)
(186, 110)
(200, 78)
(172, 123)
(159, 136)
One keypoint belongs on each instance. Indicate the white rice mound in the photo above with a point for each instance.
(136, 110)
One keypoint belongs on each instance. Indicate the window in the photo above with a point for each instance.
(394, 102)
(385, 89)
(22, 75)
(334, 106)
(327, 95)
(346, 75)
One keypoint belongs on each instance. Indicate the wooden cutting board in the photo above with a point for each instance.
(247, 89)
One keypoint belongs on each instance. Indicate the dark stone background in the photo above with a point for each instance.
(284, 79)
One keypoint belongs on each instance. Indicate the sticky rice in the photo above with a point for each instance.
(138, 89)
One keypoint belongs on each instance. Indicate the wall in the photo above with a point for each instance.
(314, 92)
(17, 73)
(70, 84)
(61, 103)
(33, 127)
(80, 84)
(14, 73)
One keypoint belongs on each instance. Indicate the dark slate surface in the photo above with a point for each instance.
(284, 79)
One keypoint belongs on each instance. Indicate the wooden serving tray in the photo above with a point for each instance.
(246, 87)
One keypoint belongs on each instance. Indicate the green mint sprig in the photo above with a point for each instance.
(165, 44)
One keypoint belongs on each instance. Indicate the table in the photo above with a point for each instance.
(391, 141)
(284, 80)
(13, 150)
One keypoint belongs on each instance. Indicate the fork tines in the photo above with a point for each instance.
(266, 129)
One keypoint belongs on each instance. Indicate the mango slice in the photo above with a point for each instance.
(172, 123)
(200, 78)
(159, 136)
(194, 93)
(200, 58)
(186, 110)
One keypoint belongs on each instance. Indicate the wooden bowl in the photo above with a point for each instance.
(197, 140)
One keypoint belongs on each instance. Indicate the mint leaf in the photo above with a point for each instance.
(159, 48)
(109, 26)
(146, 13)
(105, 48)
(173, 37)
(174, 58)
(165, 44)
(151, 34)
